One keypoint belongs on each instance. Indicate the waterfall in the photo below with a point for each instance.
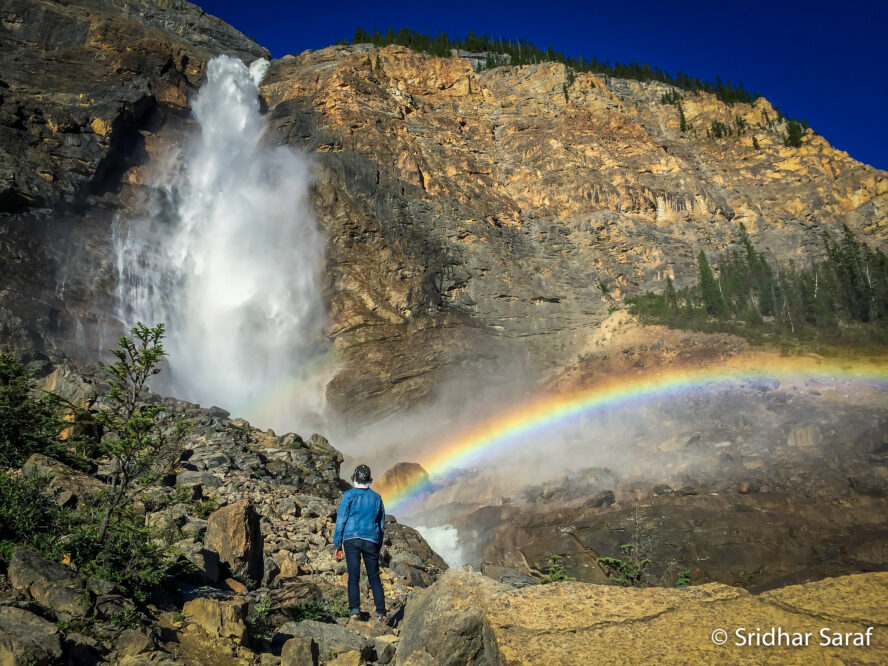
(229, 257)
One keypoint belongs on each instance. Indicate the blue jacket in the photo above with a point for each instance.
(360, 515)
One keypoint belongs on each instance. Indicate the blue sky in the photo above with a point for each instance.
(821, 61)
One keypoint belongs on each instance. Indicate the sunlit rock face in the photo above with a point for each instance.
(476, 224)
(490, 219)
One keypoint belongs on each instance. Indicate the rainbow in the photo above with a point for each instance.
(520, 422)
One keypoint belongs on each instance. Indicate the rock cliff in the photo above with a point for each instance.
(473, 219)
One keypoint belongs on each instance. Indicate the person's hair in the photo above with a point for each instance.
(362, 474)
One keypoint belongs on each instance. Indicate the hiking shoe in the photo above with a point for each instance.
(381, 617)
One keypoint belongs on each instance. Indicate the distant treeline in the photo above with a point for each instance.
(523, 52)
(842, 299)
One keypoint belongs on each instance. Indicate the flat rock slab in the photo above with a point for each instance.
(582, 623)
(329, 637)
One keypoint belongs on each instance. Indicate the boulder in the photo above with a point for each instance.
(445, 620)
(405, 544)
(131, 642)
(385, 649)
(412, 576)
(233, 531)
(329, 637)
(26, 638)
(507, 575)
(310, 506)
(49, 583)
(67, 486)
(300, 651)
(217, 617)
(399, 477)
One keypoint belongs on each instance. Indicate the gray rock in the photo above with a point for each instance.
(26, 638)
(194, 478)
(48, 583)
(67, 485)
(385, 651)
(405, 544)
(329, 637)
(507, 575)
(412, 575)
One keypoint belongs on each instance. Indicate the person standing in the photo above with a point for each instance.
(360, 522)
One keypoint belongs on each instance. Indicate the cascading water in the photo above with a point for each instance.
(229, 258)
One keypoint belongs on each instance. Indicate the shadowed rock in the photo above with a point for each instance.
(26, 638)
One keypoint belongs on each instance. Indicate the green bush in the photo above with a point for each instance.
(128, 555)
(28, 424)
(556, 571)
(28, 517)
(322, 611)
(259, 623)
(628, 572)
(684, 579)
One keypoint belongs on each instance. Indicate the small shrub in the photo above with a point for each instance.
(258, 622)
(794, 134)
(27, 424)
(128, 555)
(684, 579)
(628, 572)
(556, 572)
(206, 507)
(128, 618)
(29, 517)
(338, 606)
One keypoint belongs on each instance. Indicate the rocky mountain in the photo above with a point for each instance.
(473, 219)
(480, 226)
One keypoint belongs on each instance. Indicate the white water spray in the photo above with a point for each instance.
(229, 257)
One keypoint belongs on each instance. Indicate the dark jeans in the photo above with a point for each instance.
(354, 550)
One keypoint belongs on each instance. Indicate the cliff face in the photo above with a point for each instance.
(84, 88)
(474, 219)
(512, 207)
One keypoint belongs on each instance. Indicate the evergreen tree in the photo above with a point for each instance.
(671, 295)
(794, 134)
(709, 290)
